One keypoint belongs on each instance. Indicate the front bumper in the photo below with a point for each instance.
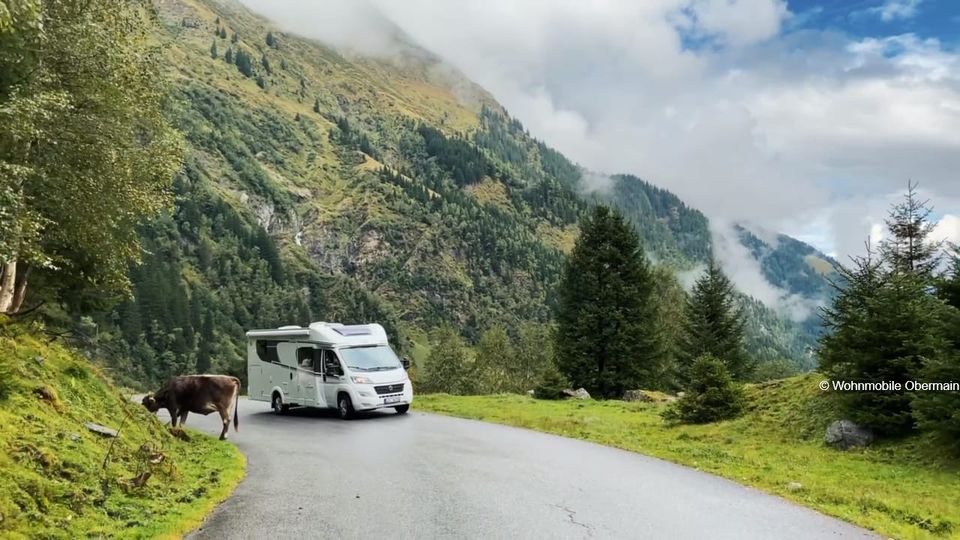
(367, 399)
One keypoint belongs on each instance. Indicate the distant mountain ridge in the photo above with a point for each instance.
(324, 185)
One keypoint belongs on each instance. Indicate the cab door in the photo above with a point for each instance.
(332, 375)
(309, 381)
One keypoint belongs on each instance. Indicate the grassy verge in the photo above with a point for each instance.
(53, 482)
(902, 489)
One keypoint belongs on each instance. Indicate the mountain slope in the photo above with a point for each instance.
(320, 185)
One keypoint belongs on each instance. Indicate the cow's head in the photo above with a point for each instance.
(150, 403)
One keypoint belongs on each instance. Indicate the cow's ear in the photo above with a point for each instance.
(150, 403)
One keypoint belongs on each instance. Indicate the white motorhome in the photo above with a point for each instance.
(328, 365)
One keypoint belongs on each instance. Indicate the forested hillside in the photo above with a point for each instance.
(319, 185)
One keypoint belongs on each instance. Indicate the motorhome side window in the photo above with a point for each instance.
(267, 351)
(309, 358)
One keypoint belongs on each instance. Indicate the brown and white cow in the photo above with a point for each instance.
(202, 394)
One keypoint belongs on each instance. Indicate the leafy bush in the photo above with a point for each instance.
(711, 396)
(552, 385)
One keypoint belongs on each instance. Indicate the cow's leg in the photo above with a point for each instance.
(173, 417)
(225, 416)
(183, 418)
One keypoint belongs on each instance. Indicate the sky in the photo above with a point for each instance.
(801, 116)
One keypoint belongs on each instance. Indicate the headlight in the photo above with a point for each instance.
(360, 379)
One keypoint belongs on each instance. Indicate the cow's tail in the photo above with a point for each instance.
(236, 406)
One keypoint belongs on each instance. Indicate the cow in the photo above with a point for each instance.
(202, 394)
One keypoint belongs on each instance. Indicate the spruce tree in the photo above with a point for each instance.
(213, 50)
(271, 41)
(608, 339)
(228, 56)
(908, 246)
(884, 324)
(714, 325)
(223, 33)
(710, 396)
(316, 105)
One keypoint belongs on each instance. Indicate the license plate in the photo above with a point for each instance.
(392, 399)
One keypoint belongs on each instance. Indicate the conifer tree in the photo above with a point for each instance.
(271, 41)
(710, 396)
(223, 33)
(316, 105)
(213, 50)
(234, 38)
(608, 339)
(884, 324)
(228, 56)
(714, 325)
(265, 62)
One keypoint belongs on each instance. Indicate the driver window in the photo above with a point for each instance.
(330, 363)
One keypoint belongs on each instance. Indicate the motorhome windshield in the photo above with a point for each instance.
(371, 358)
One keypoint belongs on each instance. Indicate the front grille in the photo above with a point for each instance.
(389, 389)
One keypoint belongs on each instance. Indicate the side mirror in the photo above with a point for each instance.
(405, 362)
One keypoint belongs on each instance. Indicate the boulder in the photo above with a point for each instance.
(101, 430)
(794, 486)
(846, 434)
(579, 393)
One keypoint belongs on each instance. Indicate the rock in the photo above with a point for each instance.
(73, 437)
(647, 396)
(846, 434)
(579, 393)
(794, 486)
(101, 430)
(681, 394)
(530, 393)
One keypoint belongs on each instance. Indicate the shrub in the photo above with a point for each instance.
(552, 385)
(711, 395)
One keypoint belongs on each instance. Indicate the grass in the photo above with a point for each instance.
(900, 489)
(53, 482)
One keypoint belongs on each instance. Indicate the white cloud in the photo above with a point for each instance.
(892, 10)
(947, 230)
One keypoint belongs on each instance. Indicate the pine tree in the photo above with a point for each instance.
(939, 411)
(271, 41)
(884, 324)
(228, 56)
(223, 33)
(714, 325)
(711, 394)
(213, 50)
(908, 246)
(316, 105)
(243, 62)
(608, 339)
(446, 368)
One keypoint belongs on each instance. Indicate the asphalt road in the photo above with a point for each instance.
(311, 475)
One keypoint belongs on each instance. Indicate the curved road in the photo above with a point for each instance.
(311, 475)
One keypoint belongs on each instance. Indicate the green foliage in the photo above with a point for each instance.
(243, 61)
(271, 40)
(608, 337)
(552, 384)
(213, 50)
(447, 369)
(495, 368)
(86, 152)
(886, 326)
(714, 326)
(710, 396)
